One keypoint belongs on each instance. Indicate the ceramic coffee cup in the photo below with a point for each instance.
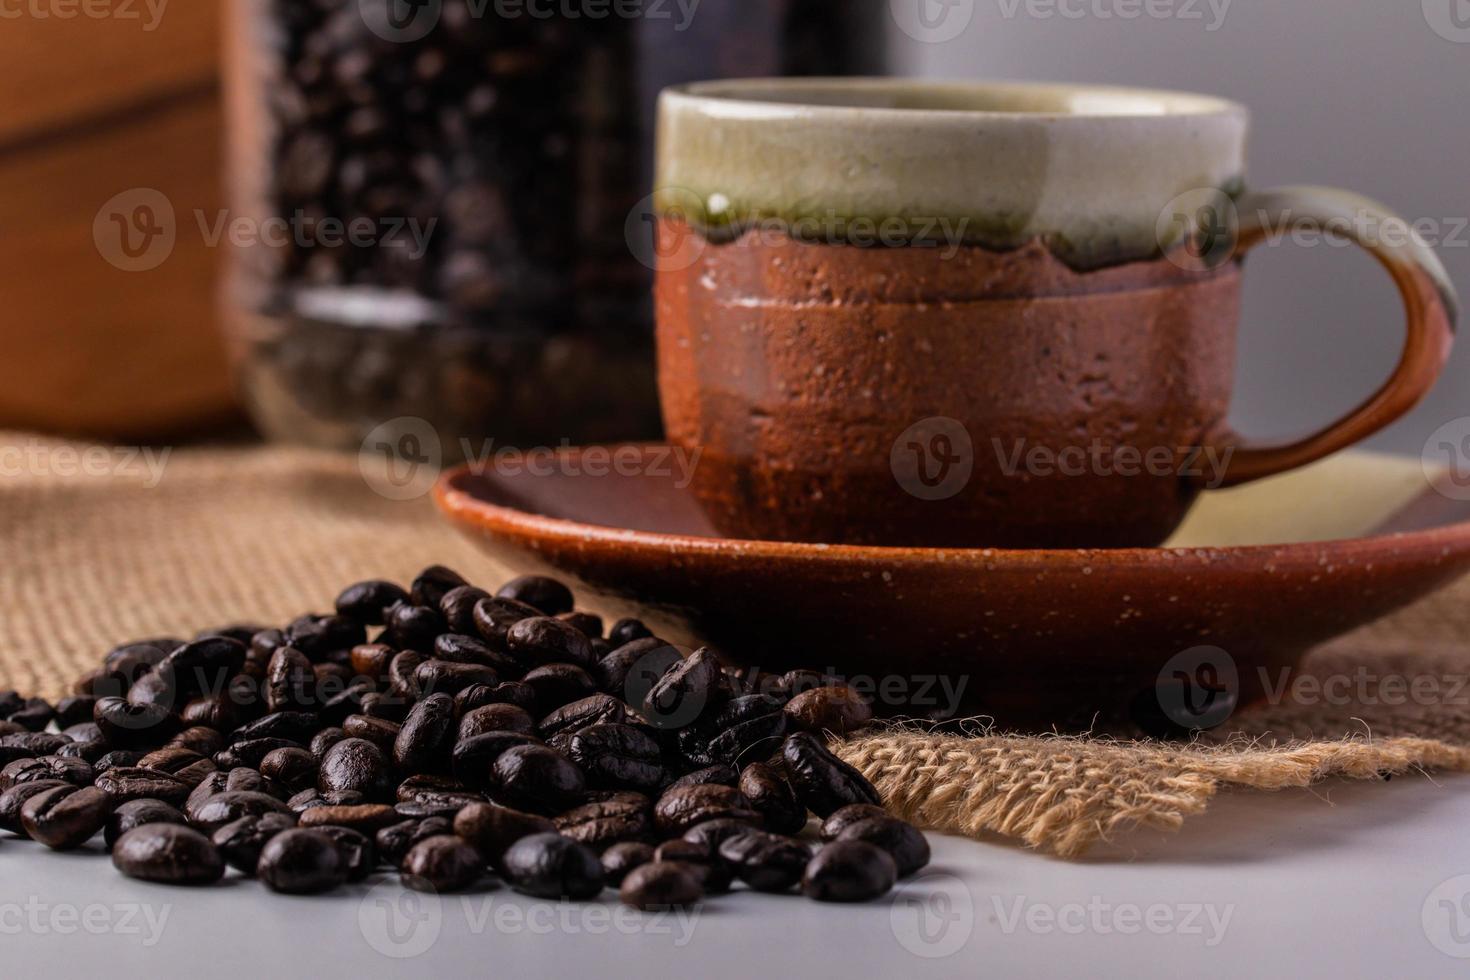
(972, 314)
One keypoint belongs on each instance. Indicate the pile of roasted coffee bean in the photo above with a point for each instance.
(473, 734)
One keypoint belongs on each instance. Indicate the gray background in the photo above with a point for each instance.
(1361, 94)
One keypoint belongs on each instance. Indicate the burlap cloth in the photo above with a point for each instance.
(97, 546)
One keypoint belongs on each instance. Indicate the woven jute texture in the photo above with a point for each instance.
(100, 545)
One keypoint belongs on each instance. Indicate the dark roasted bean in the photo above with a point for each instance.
(65, 817)
(849, 871)
(615, 756)
(680, 808)
(424, 741)
(601, 825)
(714, 874)
(241, 841)
(593, 710)
(496, 718)
(846, 816)
(371, 660)
(124, 784)
(902, 841)
(684, 692)
(628, 630)
(291, 726)
(662, 885)
(223, 808)
(379, 731)
(205, 664)
(474, 758)
(34, 716)
(622, 858)
(356, 765)
(461, 649)
(323, 740)
(766, 862)
(546, 594)
(442, 864)
(449, 678)
(445, 805)
(393, 843)
(77, 772)
(301, 862)
(359, 856)
(745, 727)
(722, 774)
(550, 866)
(773, 797)
(369, 602)
(295, 769)
(126, 725)
(712, 833)
(321, 636)
(14, 798)
(119, 759)
(138, 813)
(494, 617)
(201, 740)
(290, 682)
(433, 584)
(589, 624)
(822, 781)
(544, 640)
(367, 818)
(559, 684)
(838, 710)
(491, 829)
(415, 626)
(458, 608)
(168, 854)
(249, 755)
(536, 779)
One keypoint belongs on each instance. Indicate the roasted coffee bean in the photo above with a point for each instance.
(356, 765)
(766, 862)
(323, 740)
(200, 740)
(301, 862)
(34, 715)
(620, 859)
(206, 664)
(369, 602)
(237, 780)
(263, 644)
(371, 660)
(359, 856)
(14, 798)
(367, 818)
(684, 692)
(543, 640)
(589, 624)
(903, 842)
(601, 825)
(65, 817)
(722, 774)
(126, 725)
(176, 760)
(28, 745)
(241, 633)
(75, 710)
(849, 871)
(424, 741)
(77, 772)
(118, 759)
(628, 630)
(124, 784)
(349, 701)
(223, 808)
(10, 703)
(391, 706)
(168, 854)
(615, 756)
(249, 755)
(536, 779)
(491, 829)
(415, 626)
(793, 683)
(159, 689)
(378, 731)
(138, 813)
(393, 843)
(546, 594)
(846, 816)
(662, 885)
(295, 769)
(461, 649)
(449, 678)
(321, 636)
(822, 781)
(496, 718)
(559, 684)
(715, 875)
(442, 864)
(838, 710)
(772, 796)
(86, 751)
(744, 727)
(474, 758)
(434, 583)
(458, 608)
(291, 726)
(85, 732)
(220, 712)
(494, 618)
(445, 805)
(101, 683)
(680, 808)
(417, 786)
(10, 728)
(712, 833)
(593, 710)
(550, 866)
(241, 841)
(290, 682)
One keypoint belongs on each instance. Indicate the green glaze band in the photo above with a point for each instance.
(1088, 169)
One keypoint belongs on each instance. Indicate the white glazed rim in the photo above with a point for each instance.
(776, 98)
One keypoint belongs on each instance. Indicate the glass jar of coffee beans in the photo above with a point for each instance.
(432, 202)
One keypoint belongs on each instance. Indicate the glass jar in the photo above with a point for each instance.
(435, 195)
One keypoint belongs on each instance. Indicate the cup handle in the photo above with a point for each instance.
(1429, 301)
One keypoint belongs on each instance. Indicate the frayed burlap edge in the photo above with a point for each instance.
(1065, 794)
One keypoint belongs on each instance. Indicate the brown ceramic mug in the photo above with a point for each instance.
(907, 313)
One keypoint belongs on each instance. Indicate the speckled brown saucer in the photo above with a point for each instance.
(1036, 637)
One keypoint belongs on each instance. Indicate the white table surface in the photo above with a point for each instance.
(1347, 880)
